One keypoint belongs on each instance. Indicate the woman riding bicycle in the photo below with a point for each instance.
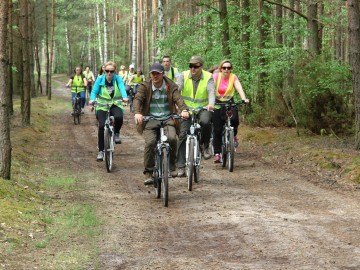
(108, 89)
(226, 83)
(90, 78)
(78, 83)
(158, 97)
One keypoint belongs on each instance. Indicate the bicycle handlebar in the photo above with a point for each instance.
(161, 119)
(231, 103)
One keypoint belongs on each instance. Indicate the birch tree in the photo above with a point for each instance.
(134, 34)
(106, 33)
(98, 26)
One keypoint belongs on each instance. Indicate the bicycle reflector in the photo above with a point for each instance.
(192, 130)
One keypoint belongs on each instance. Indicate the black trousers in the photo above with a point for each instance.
(219, 120)
(101, 116)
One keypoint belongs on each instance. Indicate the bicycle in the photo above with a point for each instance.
(109, 140)
(131, 95)
(77, 106)
(228, 145)
(193, 148)
(161, 170)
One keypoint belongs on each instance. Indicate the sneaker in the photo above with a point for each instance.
(207, 153)
(236, 141)
(181, 172)
(117, 138)
(217, 158)
(100, 156)
(82, 111)
(149, 180)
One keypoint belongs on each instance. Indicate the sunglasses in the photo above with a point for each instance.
(194, 66)
(109, 71)
(226, 68)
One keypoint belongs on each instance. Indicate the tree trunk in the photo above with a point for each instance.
(314, 42)
(24, 30)
(245, 36)
(5, 143)
(51, 46)
(11, 50)
(48, 68)
(68, 50)
(225, 28)
(106, 33)
(354, 40)
(98, 26)
(134, 35)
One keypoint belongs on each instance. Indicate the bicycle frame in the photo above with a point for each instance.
(194, 134)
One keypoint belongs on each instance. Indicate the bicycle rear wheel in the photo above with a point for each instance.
(231, 151)
(190, 164)
(108, 150)
(165, 176)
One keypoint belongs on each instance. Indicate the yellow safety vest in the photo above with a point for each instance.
(201, 98)
(104, 98)
(77, 84)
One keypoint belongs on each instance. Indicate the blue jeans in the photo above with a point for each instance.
(82, 96)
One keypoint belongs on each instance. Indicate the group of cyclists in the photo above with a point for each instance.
(167, 91)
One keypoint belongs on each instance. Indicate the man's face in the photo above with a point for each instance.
(166, 63)
(109, 71)
(195, 69)
(156, 77)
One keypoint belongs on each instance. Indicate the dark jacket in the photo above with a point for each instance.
(144, 94)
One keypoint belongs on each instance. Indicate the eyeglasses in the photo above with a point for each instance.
(109, 71)
(226, 68)
(194, 66)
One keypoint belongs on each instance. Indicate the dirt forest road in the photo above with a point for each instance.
(258, 217)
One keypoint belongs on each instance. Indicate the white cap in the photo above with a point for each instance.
(132, 66)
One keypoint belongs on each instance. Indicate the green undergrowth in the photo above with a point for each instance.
(327, 154)
(42, 214)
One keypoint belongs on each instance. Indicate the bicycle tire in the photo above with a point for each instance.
(223, 150)
(131, 103)
(165, 176)
(156, 175)
(77, 112)
(230, 151)
(190, 164)
(87, 96)
(197, 164)
(108, 151)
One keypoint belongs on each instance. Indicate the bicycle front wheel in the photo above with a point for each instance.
(165, 176)
(77, 113)
(108, 150)
(190, 164)
(231, 151)
(224, 150)
(197, 164)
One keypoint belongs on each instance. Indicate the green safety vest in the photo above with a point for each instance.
(171, 73)
(201, 98)
(104, 98)
(77, 84)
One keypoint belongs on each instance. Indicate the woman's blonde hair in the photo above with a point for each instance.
(110, 63)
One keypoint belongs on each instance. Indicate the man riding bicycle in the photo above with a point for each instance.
(108, 89)
(198, 90)
(157, 97)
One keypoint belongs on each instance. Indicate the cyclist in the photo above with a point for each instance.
(226, 84)
(136, 79)
(157, 97)
(123, 73)
(198, 90)
(78, 83)
(108, 89)
(171, 72)
(129, 75)
(89, 76)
